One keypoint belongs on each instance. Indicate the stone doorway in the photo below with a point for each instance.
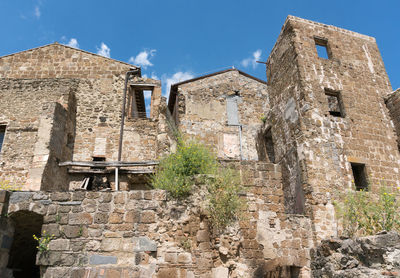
(22, 260)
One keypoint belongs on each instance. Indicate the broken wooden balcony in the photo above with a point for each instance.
(107, 167)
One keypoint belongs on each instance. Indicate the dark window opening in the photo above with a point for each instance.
(139, 102)
(335, 104)
(23, 251)
(98, 183)
(294, 271)
(2, 134)
(97, 159)
(269, 146)
(360, 176)
(321, 45)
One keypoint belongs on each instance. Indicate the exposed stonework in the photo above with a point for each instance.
(317, 148)
(94, 128)
(40, 116)
(373, 256)
(224, 110)
(143, 233)
(393, 104)
(317, 126)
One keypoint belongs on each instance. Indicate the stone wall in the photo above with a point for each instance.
(324, 146)
(393, 104)
(39, 115)
(201, 112)
(98, 98)
(145, 233)
(372, 256)
(98, 107)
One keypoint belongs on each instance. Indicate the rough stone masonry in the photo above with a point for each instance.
(325, 121)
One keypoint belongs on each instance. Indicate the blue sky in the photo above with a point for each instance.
(178, 39)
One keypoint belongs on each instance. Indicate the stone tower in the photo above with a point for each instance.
(331, 128)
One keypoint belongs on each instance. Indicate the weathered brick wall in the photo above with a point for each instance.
(98, 104)
(326, 145)
(99, 96)
(39, 115)
(144, 233)
(393, 104)
(202, 112)
(284, 119)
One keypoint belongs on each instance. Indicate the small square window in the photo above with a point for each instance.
(335, 104)
(360, 176)
(2, 134)
(322, 48)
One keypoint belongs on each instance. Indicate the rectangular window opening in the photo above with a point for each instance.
(147, 102)
(321, 45)
(335, 104)
(139, 103)
(2, 134)
(360, 176)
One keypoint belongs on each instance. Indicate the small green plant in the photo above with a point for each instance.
(58, 218)
(366, 213)
(80, 232)
(6, 185)
(186, 244)
(43, 242)
(263, 118)
(225, 204)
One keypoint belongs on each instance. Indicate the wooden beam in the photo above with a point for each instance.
(107, 163)
(148, 85)
(109, 171)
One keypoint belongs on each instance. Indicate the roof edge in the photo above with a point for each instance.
(172, 94)
(73, 48)
(216, 73)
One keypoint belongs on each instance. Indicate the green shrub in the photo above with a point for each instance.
(176, 171)
(365, 213)
(224, 202)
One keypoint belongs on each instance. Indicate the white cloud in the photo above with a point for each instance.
(104, 50)
(147, 94)
(175, 78)
(73, 43)
(153, 76)
(37, 12)
(143, 58)
(251, 61)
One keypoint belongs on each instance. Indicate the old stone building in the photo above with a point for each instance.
(223, 109)
(87, 88)
(78, 139)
